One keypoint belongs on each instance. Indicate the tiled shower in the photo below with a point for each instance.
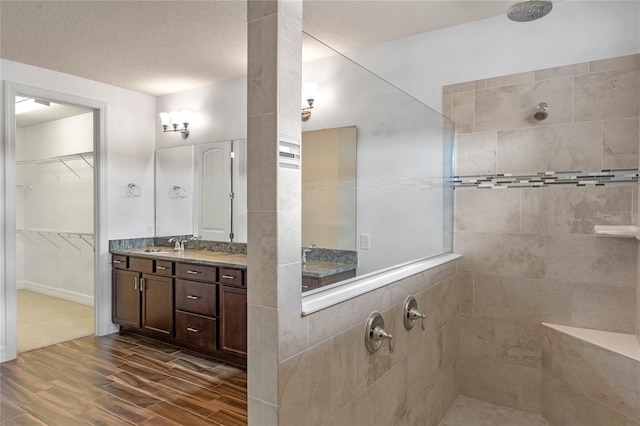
(530, 256)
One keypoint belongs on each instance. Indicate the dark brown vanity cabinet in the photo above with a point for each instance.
(140, 299)
(196, 306)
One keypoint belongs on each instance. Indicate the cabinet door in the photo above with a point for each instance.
(126, 298)
(233, 320)
(157, 304)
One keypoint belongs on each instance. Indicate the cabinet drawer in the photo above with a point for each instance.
(196, 272)
(234, 277)
(196, 330)
(199, 298)
(141, 265)
(164, 267)
(119, 261)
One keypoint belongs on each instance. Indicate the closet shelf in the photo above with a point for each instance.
(87, 237)
(613, 231)
(61, 159)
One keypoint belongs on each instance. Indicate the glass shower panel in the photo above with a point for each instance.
(404, 170)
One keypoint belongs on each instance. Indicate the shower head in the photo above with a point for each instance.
(542, 111)
(529, 10)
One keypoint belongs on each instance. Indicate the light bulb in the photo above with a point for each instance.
(186, 116)
(175, 118)
(310, 90)
(165, 117)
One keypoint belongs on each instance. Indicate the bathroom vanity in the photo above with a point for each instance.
(194, 299)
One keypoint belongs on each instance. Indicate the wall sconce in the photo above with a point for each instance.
(179, 122)
(310, 89)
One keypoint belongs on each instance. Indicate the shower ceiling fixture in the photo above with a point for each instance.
(529, 10)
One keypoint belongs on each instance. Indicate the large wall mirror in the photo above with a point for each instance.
(202, 190)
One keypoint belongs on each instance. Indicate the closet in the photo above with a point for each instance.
(54, 224)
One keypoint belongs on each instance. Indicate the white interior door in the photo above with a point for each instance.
(214, 176)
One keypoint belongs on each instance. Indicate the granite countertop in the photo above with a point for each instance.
(320, 269)
(313, 268)
(204, 257)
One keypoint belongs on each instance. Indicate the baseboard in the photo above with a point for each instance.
(56, 292)
(3, 354)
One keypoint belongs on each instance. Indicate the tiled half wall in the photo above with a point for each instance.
(529, 253)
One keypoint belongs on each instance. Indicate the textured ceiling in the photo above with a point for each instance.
(160, 47)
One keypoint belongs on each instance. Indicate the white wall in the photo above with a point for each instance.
(574, 32)
(219, 113)
(131, 129)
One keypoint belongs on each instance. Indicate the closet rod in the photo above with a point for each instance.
(65, 235)
(79, 156)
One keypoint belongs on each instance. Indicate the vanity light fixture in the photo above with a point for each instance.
(310, 89)
(176, 121)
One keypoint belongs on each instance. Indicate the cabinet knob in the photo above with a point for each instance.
(228, 277)
(189, 296)
(162, 268)
(193, 272)
(193, 330)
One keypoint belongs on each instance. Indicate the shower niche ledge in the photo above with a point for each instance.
(617, 231)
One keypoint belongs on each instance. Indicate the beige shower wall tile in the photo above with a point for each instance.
(466, 86)
(463, 111)
(606, 95)
(510, 80)
(621, 139)
(489, 381)
(564, 406)
(529, 388)
(606, 376)
(631, 422)
(629, 61)
(441, 303)
(499, 383)
(563, 71)
(477, 337)
(575, 210)
(586, 259)
(504, 254)
(305, 387)
(522, 299)
(550, 148)
(384, 402)
(604, 307)
(466, 292)
(518, 343)
(349, 367)
(487, 210)
(512, 107)
(475, 153)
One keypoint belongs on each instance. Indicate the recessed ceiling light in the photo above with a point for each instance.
(28, 104)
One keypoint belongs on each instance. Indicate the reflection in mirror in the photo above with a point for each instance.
(403, 183)
(329, 188)
(201, 190)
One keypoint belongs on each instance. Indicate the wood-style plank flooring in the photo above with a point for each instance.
(120, 380)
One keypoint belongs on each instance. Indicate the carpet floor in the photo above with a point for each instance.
(44, 320)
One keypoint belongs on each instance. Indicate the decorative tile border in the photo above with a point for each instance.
(620, 177)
